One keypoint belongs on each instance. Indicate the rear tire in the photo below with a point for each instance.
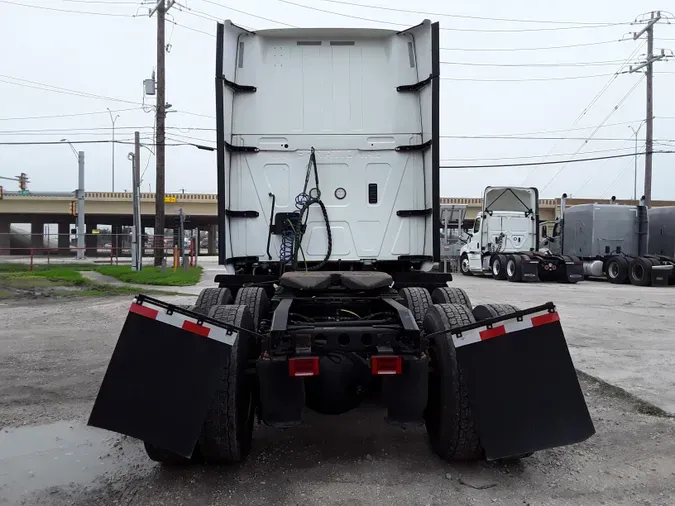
(464, 266)
(514, 268)
(447, 295)
(210, 297)
(487, 311)
(498, 267)
(450, 424)
(418, 301)
(617, 270)
(228, 429)
(255, 298)
(640, 271)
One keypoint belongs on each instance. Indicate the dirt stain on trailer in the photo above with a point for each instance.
(57, 458)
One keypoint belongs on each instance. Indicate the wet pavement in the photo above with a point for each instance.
(53, 356)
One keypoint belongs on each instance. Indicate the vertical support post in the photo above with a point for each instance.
(650, 116)
(160, 148)
(80, 207)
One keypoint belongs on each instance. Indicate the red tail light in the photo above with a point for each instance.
(384, 364)
(303, 366)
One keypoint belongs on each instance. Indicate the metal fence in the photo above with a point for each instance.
(115, 249)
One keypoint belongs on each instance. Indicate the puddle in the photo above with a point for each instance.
(59, 455)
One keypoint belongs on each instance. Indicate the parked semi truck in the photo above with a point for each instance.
(331, 293)
(505, 242)
(614, 241)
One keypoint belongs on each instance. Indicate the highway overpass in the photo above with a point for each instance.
(114, 209)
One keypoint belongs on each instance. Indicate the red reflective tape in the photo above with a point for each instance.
(545, 318)
(143, 311)
(196, 329)
(493, 332)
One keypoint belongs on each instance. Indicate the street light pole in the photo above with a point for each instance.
(113, 146)
(79, 194)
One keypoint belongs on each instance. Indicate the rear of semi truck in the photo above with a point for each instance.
(505, 242)
(330, 292)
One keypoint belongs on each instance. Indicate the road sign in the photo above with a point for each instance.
(96, 231)
(170, 200)
(24, 192)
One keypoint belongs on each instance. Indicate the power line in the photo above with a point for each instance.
(590, 105)
(442, 28)
(595, 172)
(54, 116)
(249, 14)
(522, 79)
(546, 48)
(585, 143)
(561, 64)
(68, 91)
(612, 150)
(550, 162)
(461, 16)
(69, 11)
(535, 138)
(621, 173)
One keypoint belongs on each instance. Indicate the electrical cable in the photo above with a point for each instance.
(585, 143)
(550, 162)
(590, 105)
(69, 11)
(621, 173)
(303, 201)
(248, 13)
(442, 28)
(461, 16)
(595, 172)
(54, 116)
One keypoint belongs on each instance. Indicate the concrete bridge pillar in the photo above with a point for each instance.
(37, 236)
(5, 226)
(211, 243)
(90, 241)
(64, 238)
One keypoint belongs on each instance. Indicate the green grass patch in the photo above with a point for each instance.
(152, 275)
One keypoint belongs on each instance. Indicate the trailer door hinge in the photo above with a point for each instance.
(411, 213)
(241, 214)
(240, 149)
(241, 88)
(417, 86)
(415, 147)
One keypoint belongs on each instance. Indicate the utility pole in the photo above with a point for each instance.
(649, 64)
(161, 8)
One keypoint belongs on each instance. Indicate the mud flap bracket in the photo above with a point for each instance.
(522, 384)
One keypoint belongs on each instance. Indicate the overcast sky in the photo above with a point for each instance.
(517, 90)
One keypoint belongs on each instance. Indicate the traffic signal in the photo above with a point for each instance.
(23, 179)
(73, 208)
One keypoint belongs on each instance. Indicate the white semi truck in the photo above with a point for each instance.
(328, 197)
(505, 242)
(598, 240)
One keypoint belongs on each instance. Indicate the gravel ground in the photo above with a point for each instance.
(53, 356)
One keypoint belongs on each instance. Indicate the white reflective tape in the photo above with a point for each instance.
(516, 324)
(211, 331)
(468, 337)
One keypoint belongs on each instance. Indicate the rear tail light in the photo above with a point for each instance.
(303, 366)
(384, 364)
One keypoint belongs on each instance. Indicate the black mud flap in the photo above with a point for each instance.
(522, 385)
(574, 272)
(162, 375)
(530, 271)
